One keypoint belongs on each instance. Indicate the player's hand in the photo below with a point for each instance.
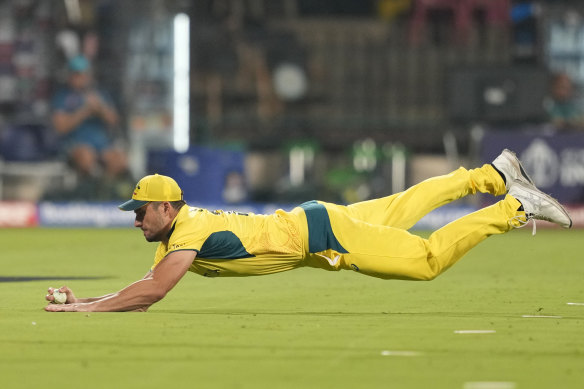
(81, 307)
(63, 289)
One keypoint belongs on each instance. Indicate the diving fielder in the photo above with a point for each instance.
(369, 237)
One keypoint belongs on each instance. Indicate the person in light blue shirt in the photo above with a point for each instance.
(87, 122)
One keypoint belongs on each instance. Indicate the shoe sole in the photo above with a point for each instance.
(536, 192)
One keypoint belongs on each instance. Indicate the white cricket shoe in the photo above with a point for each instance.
(538, 205)
(508, 164)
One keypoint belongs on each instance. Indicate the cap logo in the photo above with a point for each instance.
(157, 188)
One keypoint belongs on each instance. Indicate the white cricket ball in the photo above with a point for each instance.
(60, 298)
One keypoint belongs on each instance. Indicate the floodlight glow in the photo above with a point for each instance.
(181, 83)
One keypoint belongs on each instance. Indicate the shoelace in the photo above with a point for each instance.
(523, 223)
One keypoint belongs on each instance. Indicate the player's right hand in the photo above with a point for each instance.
(63, 289)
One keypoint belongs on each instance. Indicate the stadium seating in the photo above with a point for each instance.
(28, 162)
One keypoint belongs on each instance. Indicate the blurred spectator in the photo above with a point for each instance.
(234, 191)
(563, 106)
(87, 123)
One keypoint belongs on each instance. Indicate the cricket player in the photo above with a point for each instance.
(369, 237)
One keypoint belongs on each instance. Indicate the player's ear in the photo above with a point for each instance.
(167, 207)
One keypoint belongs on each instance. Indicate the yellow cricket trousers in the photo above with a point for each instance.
(371, 237)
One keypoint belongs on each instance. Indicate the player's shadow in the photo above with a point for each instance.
(52, 278)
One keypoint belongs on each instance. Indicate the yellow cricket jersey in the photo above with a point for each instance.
(370, 237)
(236, 244)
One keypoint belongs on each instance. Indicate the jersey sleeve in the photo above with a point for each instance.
(188, 233)
(187, 236)
(159, 255)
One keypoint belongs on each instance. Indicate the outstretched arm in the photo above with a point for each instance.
(71, 296)
(138, 296)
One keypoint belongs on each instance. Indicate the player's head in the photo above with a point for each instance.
(155, 187)
(155, 201)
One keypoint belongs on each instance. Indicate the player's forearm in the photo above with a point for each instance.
(138, 296)
(92, 299)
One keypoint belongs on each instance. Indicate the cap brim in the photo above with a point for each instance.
(132, 205)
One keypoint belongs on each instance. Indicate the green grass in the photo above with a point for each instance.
(302, 329)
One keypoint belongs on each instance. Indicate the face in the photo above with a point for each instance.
(154, 221)
(562, 88)
(79, 80)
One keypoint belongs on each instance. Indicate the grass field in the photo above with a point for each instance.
(302, 329)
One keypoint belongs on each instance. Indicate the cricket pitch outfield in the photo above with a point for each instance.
(509, 315)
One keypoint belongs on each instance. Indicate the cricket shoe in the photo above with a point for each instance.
(538, 205)
(509, 165)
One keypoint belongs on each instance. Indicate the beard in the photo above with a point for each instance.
(153, 237)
